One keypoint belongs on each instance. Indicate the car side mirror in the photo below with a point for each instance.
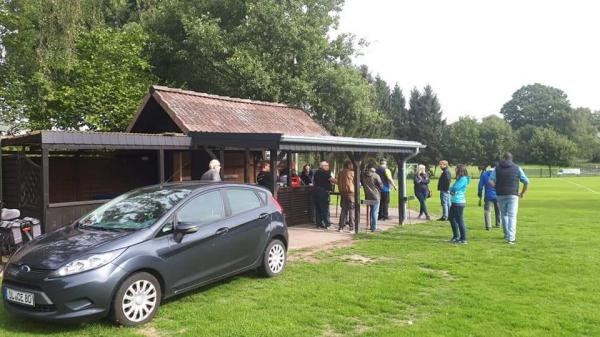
(182, 229)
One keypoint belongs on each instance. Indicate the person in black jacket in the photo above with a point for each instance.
(323, 182)
(444, 188)
(264, 176)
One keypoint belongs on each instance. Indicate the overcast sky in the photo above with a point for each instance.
(475, 54)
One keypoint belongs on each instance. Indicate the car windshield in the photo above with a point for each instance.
(134, 210)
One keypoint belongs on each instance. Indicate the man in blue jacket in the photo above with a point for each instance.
(490, 198)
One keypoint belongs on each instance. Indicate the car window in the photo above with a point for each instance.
(242, 200)
(203, 209)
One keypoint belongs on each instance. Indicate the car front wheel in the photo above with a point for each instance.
(274, 258)
(137, 300)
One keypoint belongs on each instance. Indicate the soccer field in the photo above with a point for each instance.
(410, 282)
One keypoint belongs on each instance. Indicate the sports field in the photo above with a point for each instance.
(410, 282)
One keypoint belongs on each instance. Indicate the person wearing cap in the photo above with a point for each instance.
(387, 184)
(214, 171)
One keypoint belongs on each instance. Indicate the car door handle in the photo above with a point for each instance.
(263, 216)
(223, 230)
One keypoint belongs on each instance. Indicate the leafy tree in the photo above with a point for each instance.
(103, 87)
(550, 148)
(538, 105)
(462, 142)
(496, 138)
(425, 123)
(382, 96)
(398, 112)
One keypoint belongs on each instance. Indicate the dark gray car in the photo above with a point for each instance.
(147, 245)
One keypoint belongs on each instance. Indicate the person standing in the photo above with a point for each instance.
(505, 178)
(388, 183)
(307, 175)
(421, 183)
(372, 185)
(444, 188)
(264, 176)
(323, 182)
(214, 171)
(345, 182)
(459, 201)
(490, 198)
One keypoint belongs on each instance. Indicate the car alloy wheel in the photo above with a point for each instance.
(139, 301)
(276, 258)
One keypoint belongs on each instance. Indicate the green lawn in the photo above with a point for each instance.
(417, 284)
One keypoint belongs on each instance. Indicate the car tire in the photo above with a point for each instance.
(137, 300)
(274, 259)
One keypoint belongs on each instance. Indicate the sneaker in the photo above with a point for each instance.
(453, 240)
(427, 218)
(462, 242)
(442, 219)
(510, 242)
(488, 228)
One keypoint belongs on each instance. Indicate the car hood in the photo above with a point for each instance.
(54, 249)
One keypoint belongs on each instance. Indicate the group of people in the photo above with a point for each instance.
(377, 183)
(498, 187)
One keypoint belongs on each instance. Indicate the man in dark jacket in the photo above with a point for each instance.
(505, 178)
(323, 182)
(444, 188)
(264, 176)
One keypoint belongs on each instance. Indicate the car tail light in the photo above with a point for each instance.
(277, 204)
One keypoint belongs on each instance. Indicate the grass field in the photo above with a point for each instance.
(411, 282)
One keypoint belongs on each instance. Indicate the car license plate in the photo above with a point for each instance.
(21, 297)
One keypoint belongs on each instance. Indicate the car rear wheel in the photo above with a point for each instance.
(274, 258)
(137, 300)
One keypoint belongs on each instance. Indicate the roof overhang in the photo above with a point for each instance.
(303, 143)
(77, 140)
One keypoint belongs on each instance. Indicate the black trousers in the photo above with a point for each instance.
(321, 199)
(384, 206)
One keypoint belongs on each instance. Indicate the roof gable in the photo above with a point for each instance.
(199, 112)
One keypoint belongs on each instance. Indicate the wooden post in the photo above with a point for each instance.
(289, 169)
(45, 177)
(356, 158)
(161, 165)
(246, 156)
(222, 160)
(273, 173)
(402, 198)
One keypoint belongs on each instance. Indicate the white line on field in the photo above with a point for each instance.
(582, 186)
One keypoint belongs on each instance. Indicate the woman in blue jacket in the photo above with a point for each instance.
(459, 201)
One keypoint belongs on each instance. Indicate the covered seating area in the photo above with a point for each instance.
(58, 176)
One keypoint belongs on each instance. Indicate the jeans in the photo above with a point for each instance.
(445, 200)
(322, 208)
(422, 196)
(487, 209)
(509, 207)
(374, 214)
(384, 205)
(347, 214)
(457, 222)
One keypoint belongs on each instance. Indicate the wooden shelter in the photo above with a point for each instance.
(58, 176)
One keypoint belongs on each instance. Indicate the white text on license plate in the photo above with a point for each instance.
(18, 296)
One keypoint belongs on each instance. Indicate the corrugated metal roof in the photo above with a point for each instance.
(200, 112)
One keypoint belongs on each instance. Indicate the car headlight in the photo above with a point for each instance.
(87, 263)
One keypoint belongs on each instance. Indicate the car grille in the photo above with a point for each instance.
(36, 308)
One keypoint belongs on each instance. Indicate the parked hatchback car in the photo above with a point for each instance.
(145, 246)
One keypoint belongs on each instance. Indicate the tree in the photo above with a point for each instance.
(547, 147)
(538, 105)
(463, 142)
(425, 123)
(496, 138)
(103, 87)
(382, 96)
(398, 112)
